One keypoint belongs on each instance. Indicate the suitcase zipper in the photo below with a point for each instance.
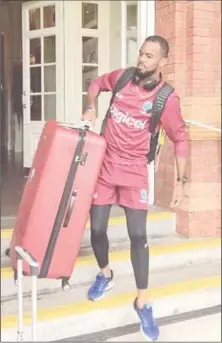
(58, 224)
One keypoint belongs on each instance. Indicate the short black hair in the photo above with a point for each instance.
(162, 43)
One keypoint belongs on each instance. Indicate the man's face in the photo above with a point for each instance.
(150, 60)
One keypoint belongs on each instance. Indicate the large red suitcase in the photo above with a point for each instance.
(57, 197)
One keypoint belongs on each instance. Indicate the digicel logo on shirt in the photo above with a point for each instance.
(125, 118)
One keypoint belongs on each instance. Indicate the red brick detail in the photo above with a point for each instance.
(165, 176)
(200, 213)
(199, 224)
(193, 29)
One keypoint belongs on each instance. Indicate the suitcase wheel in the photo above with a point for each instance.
(7, 252)
(65, 285)
(15, 278)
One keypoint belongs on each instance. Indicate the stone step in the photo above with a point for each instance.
(160, 223)
(204, 328)
(165, 253)
(63, 315)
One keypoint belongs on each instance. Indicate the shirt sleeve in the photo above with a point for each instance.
(174, 125)
(104, 83)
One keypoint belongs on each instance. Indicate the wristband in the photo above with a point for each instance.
(182, 179)
(90, 108)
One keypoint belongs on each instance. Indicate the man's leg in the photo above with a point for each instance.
(139, 251)
(135, 205)
(99, 217)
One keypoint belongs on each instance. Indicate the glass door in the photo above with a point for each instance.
(42, 70)
(137, 22)
(86, 55)
(90, 45)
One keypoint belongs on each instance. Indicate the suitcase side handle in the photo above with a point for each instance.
(83, 125)
(70, 208)
(24, 255)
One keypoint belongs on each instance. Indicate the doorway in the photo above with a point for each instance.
(56, 58)
(31, 84)
(11, 161)
(58, 47)
(43, 70)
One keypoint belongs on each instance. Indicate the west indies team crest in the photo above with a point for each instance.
(147, 106)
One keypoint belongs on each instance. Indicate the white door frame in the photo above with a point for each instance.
(146, 24)
(73, 56)
(146, 19)
(32, 129)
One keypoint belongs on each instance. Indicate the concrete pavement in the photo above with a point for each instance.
(62, 315)
(204, 329)
(185, 275)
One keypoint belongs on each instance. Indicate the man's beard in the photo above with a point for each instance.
(145, 75)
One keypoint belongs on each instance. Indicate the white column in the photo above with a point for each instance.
(123, 33)
(142, 22)
(150, 17)
(146, 20)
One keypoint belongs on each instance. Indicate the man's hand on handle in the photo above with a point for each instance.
(90, 115)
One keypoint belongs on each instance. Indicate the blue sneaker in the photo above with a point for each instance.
(100, 286)
(148, 325)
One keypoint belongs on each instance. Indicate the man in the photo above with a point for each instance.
(123, 178)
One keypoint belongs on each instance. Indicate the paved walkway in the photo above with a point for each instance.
(204, 329)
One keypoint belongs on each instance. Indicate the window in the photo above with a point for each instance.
(129, 32)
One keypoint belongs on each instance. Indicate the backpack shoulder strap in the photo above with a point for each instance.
(122, 81)
(159, 105)
(124, 78)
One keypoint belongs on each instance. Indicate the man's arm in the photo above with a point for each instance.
(174, 126)
(103, 83)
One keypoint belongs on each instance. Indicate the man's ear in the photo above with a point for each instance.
(163, 62)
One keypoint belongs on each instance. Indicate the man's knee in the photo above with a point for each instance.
(138, 240)
(99, 217)
(136, 224)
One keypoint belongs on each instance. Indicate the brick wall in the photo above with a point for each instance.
(171, 24)
(193, 29)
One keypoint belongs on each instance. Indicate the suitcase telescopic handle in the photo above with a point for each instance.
(70, 209)
(24, 255)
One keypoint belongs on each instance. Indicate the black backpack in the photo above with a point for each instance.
(157, 109)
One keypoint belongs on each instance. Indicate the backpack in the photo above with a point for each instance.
(160, 100)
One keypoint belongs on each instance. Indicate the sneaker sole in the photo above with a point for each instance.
(148, 339)
(108, 288)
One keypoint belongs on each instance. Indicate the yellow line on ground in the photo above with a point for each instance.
(7, 233)
(123, 255)
(73, 309)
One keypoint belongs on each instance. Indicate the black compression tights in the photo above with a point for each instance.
(139, 251)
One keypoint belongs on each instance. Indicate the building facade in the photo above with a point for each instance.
(62, 45)
(194, 32)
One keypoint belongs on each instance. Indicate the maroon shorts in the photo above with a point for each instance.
(123, 185)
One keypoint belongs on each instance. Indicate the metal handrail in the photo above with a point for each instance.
(204, 126)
